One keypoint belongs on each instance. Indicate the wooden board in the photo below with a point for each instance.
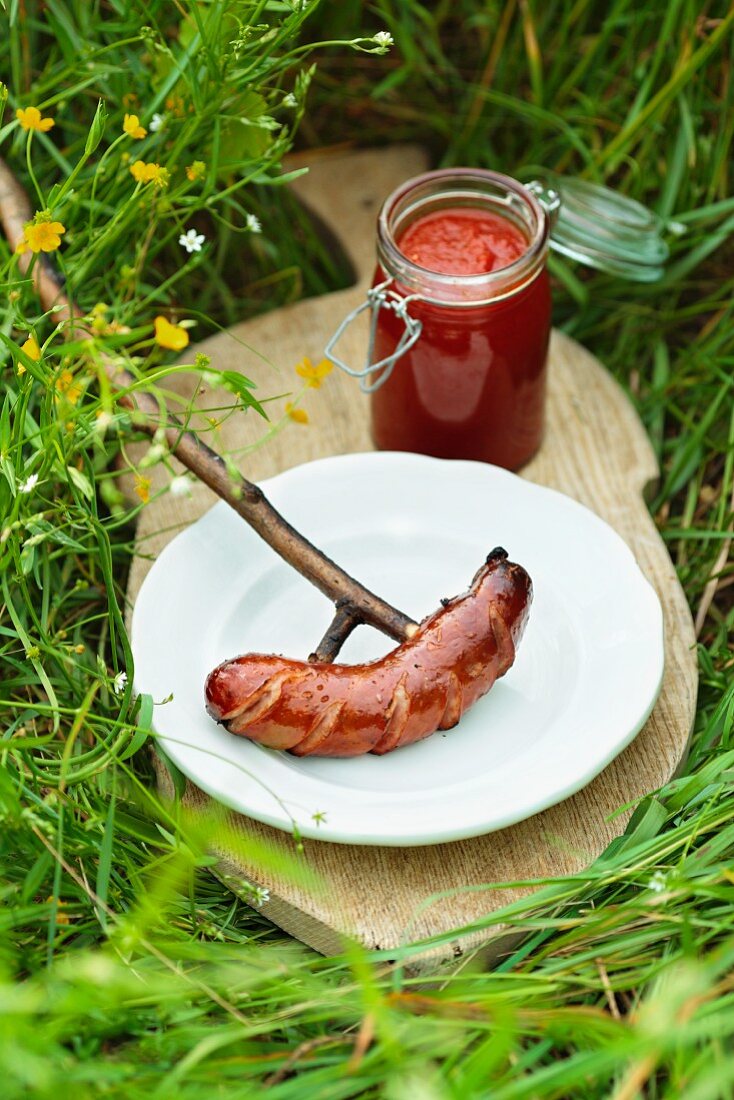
(595, 451)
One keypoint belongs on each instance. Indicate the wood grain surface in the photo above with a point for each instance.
(595, 451)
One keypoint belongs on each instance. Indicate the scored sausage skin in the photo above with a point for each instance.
(424, 684)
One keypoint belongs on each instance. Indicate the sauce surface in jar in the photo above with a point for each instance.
(473, 385)
(462, 241)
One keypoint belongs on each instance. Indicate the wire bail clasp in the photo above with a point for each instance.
(378, 297)
(548, 197)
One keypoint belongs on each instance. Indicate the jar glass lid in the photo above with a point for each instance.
(600, 228)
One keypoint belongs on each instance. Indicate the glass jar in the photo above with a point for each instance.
(473, 384)
(456, 363)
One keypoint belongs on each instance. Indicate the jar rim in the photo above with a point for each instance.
(467, 290)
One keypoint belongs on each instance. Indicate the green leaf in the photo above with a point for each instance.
(245, 138)
(27, 556)
(144, 727)
(5, 430)
(35, 875)
(240, 386)
(647, 821)
(96, 130)
(105, 862)
(9, 472)
(81, 481)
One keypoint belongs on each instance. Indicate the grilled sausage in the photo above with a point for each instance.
(423, 685)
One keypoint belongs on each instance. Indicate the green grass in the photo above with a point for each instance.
(126, 967)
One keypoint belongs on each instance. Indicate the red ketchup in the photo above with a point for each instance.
(473, 385)
(462, 241)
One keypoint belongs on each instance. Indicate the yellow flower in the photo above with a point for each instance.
(196, 171)
(68, 387)
(160, 176)
(32, 350)
(61, 918)
(138, 170)
(42, 236)
(170, 336)
(30, 119)
(129, 99)
(299, 416)
(131, 126)
(98, 316)
(150, 173)
(142, 488)
(314, 375)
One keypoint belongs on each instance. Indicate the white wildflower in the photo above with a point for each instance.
(253, 224)
(118, 684)
(259, 895)
(191, 240)
(383, 39)
(29, 484)
(657, 883)
(155, 123)
(180, 486)
(289, 100)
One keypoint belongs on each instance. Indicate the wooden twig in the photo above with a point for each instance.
(355, 604)
(347, 617)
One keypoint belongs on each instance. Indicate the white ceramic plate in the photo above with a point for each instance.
(414, 529)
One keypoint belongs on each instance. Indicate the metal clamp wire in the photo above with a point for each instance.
(378, 297)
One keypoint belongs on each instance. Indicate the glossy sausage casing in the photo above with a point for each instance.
(423, 685)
